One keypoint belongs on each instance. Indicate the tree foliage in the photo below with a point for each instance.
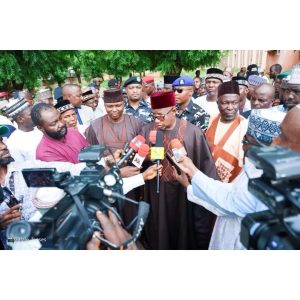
(28, 67)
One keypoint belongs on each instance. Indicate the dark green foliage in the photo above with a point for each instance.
(28, 68)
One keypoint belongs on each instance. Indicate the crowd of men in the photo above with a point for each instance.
(215, 119)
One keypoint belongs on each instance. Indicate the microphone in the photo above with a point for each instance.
(158, 151)
(140, 156)
(177, 149)
(134, 146)
(152, 137)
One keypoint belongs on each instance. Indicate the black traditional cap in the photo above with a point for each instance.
(214, 73)
(241, 80)
(63, 106)
(228, 87)
(16, 106)
(112, 83)
(87, 93)
(169, 79)
(252, 70)
(112, 96)
(133, 80)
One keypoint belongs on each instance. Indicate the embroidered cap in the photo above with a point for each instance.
(295, 75)
(256, 80)
(44, 94)
(63, 106)
(15, 106)
(264, 124)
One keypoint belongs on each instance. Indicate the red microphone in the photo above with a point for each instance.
(177, 149)
(134, 146)
(140, 156)
(152, 137)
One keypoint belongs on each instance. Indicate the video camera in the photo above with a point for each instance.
(279, 189)
(71, 222)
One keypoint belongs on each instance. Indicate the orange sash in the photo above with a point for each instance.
(218, 151)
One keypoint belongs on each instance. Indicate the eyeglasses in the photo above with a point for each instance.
(160, 117)
(179, 91)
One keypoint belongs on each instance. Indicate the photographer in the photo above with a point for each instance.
(233, 200)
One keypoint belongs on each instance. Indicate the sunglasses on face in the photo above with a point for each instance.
(160, 117)
(179, 91)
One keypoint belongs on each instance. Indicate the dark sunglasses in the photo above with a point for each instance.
(178, 90)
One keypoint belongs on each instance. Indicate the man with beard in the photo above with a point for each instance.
(292, 93)
(135, 105)
(59, 143)
(23, 142)
(173, 223)
(213, 78)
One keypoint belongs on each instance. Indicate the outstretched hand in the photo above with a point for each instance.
(112, 231)
(151, 172)
(187, 166)
(182, 178)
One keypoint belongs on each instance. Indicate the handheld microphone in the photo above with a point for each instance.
(134, 146)
(140, 156)
(158, 151)
(177, 149)
(152, 137)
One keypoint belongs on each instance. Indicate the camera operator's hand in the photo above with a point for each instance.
(129, 171)
(11, 215)
(182, 178)
(151, 172)
(112, 159)
(187, 166)
(113, 230)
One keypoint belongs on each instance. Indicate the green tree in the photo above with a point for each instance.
(174, 61)
(24, 68)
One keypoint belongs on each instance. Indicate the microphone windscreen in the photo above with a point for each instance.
(136, 142)
(152, 137)
(175, 143)
(144, 150)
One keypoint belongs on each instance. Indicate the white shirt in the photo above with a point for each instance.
(211, 107)
(229, 201)
(22, 145)
(86, 114)
(247, 105)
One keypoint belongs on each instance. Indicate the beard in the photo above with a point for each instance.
(57, 135)
(6, 161)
